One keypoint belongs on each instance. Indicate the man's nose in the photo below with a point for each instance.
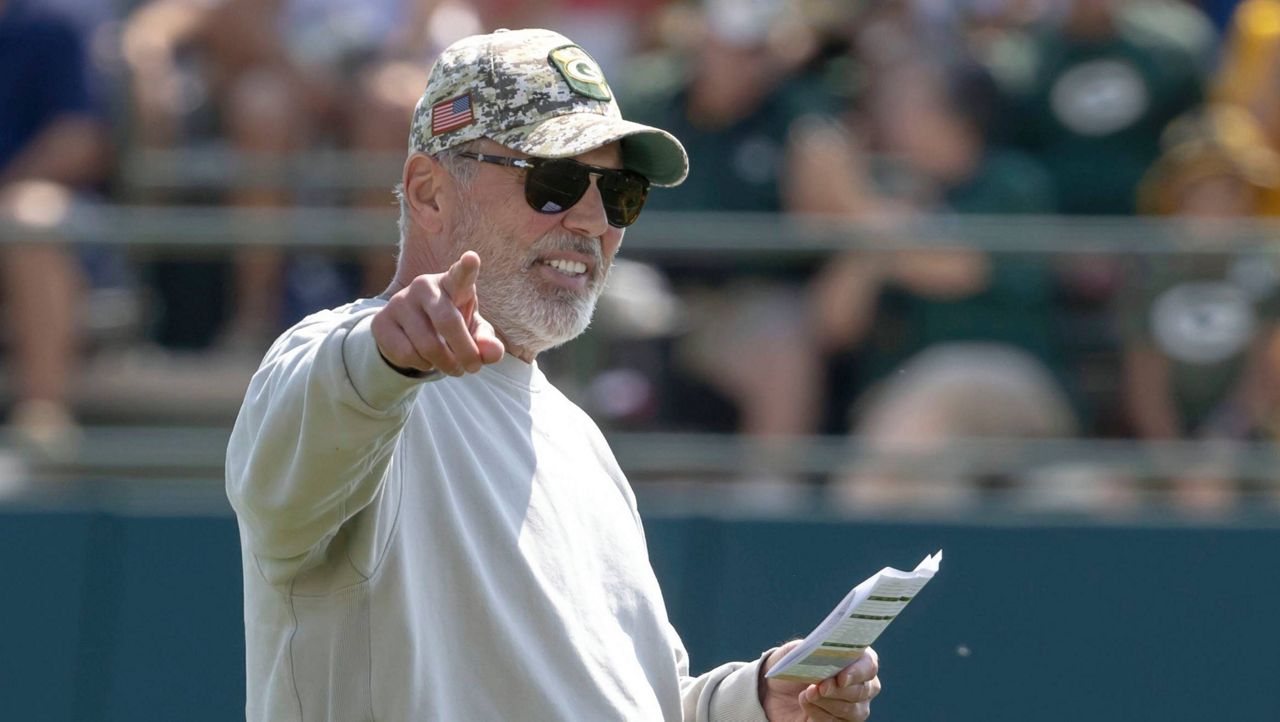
(587, 216)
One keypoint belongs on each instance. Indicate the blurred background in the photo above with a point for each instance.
(995, 276)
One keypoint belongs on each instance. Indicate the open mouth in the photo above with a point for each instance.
(567, 267)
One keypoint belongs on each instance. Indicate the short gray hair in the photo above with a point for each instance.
(462, 171)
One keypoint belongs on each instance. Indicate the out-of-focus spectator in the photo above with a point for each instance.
(1249, 75)
(987, 23)
(51, 144)
(279, 77)
(1250, 52)
(1220, 11)
(1199, 326)
(610, 29)
(1092, 91)
(890, 32)
(98, 23)
(734, 106)
(952, 343)
(1089, 88)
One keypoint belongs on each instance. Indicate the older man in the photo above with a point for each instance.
(430, 529)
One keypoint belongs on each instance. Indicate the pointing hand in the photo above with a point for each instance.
(433, 323)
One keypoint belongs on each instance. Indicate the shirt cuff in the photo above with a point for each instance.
(379, 385)
(737, 697)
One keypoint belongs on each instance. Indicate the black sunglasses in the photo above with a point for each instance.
(553, 185)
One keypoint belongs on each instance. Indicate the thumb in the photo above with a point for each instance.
(490, 346)
(460, 280)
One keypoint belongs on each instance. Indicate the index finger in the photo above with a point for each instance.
(460, 280)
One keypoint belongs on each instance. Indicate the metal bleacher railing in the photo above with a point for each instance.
(195, 451)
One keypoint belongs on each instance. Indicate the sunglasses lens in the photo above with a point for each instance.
(623, 194)
(553, 186)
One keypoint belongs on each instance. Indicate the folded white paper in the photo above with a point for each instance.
(855, 623)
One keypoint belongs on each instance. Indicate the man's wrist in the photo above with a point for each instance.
(762, 683)
(404, 371)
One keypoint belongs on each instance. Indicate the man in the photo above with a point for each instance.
(281, 78)
(430, 529)
(738, 98)
(52, 144)
(1200, 330)
(1095, 90)
(933, 345)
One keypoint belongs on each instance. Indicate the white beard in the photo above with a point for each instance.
(529, 313)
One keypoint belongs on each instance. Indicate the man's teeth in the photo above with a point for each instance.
(572, 268)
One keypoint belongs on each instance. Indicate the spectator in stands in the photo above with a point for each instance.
(947, 343)
(1198, 326)
(1089, 89)
(1249, 75)
(1250, 52)
(735, 108)
(1095, 90)
(285, 76)
(1220, 12)
(611, 29)
(51, 145)
(986, 24)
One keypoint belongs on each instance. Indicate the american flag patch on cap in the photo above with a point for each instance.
(451, 114)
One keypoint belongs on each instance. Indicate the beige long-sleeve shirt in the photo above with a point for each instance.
(457, 549)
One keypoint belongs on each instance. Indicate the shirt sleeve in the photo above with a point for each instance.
(728, 693)
(64, 72)
(314, 439)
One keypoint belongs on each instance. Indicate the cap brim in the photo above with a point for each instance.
(652, 152)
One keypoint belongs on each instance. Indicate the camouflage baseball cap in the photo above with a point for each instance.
(537, 92)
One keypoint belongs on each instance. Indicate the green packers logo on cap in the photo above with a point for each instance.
(581, 72)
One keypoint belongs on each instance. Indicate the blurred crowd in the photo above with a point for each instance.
(881, 112)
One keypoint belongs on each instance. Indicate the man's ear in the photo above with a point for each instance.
(430, 192)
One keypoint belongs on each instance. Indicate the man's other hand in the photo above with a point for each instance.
(433, 323)
(846, 695)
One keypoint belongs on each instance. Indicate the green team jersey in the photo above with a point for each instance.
(1093, 111)
(1202, 313)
